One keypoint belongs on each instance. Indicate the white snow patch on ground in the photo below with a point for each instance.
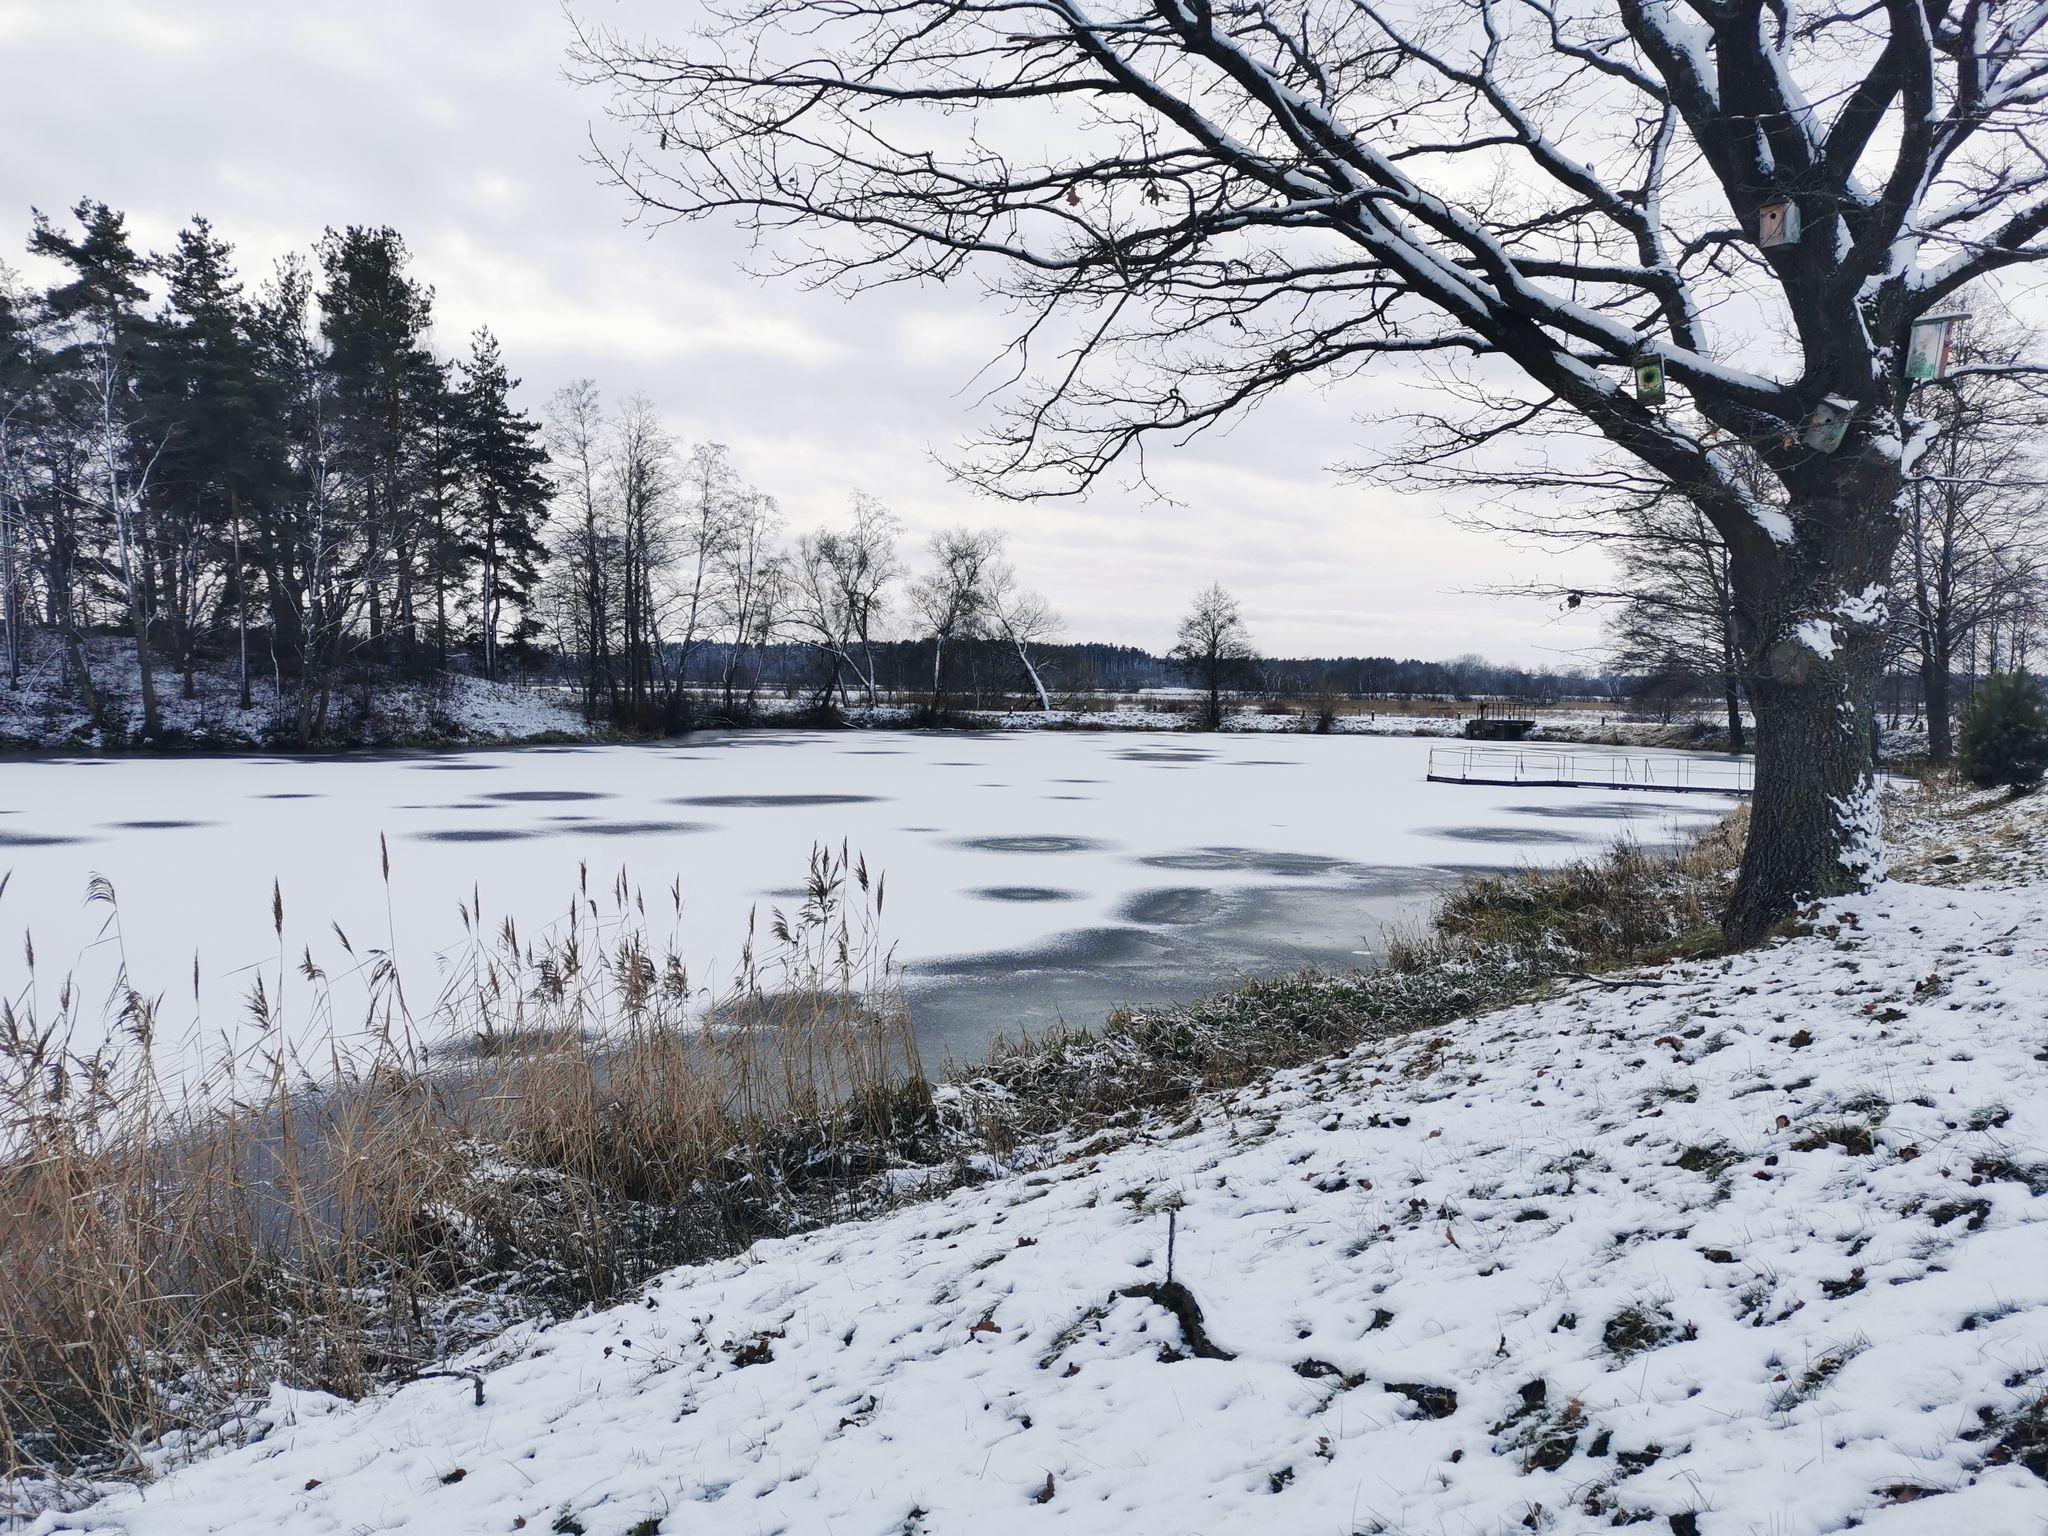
(1754, 1246)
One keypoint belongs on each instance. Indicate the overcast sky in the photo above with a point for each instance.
(451, 121)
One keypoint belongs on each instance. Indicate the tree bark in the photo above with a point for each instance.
(1811, 630)
(1934, 694)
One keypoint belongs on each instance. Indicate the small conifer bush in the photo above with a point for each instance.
(2004, 740)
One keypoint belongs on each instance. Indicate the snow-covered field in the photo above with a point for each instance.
(1748, 1248)
(1024, 871)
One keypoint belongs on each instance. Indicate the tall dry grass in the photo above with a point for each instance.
(565, 1116)
(568, 1114)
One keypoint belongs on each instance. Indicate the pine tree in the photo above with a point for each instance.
(387, 386)
(504, 468)
(2004, 739)
(223, 456)
(105, 339)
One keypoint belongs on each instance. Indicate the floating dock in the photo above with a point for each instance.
(1557, 768)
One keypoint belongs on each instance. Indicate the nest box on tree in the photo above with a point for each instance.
(1828, 424)
(1927, 353)
(1777, 223)
(1650, 380)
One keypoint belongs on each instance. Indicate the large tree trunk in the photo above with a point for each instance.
(1812, 828)
(1812, 654)
(1934, 694)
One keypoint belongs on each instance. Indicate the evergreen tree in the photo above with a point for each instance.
(505, 469)
(104, 338)
(446, 553)
(2004, 739)
(221, 459)
(387, 386)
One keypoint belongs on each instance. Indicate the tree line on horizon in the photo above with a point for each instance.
(290, 480)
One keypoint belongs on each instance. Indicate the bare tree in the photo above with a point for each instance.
(1022, 619)
(839, 581)
(123, 456)
(753, 586)
(1214, 644)
(642, 471)
(1236, 197)
(1974, 520)
(586, 540)
(950, 600)
(18, 397)
(1675, 617)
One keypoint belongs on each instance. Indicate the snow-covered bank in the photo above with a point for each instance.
(456, 709)
(1743, 1247)
(450, 709)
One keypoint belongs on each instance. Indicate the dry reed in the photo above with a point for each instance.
(567, 1116)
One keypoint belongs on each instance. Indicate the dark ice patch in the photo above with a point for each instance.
(1257, 861)
(1503, 834)
(1606, 810)
(477, 834)
(1045, 842)
(548, 796)
(38, 839)
(164, 825)
(1176, 905)
(757, 802)
(636, 828)
(1023, 893)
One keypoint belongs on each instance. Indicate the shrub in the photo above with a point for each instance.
(2004, 740)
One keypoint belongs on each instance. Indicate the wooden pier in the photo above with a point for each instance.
(1560, 768)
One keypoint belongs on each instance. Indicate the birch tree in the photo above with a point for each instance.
(838, 593)
(1023, 620)
(1194, 205)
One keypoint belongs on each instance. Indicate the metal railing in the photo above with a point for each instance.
(1551, 768)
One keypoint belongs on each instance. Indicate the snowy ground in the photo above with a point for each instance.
(1030, 876)
(450, 709)
(1743, 1249)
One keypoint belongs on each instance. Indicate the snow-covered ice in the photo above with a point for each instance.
(1049, 871)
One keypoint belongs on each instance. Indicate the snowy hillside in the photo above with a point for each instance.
(451, 708)
(1737, 1248)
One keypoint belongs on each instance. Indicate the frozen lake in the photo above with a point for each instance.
(1031, 876)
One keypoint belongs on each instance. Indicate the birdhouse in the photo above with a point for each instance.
(1828, 424)
(1927, 351)
(1777, 223)
(1650, 380)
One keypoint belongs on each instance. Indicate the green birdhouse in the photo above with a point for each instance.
(1650, 381)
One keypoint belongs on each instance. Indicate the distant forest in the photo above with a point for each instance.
(286, 480)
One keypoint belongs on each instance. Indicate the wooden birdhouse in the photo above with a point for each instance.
(1777, 223)
(1927, 352)
(1828, 424)
(1650, 380)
